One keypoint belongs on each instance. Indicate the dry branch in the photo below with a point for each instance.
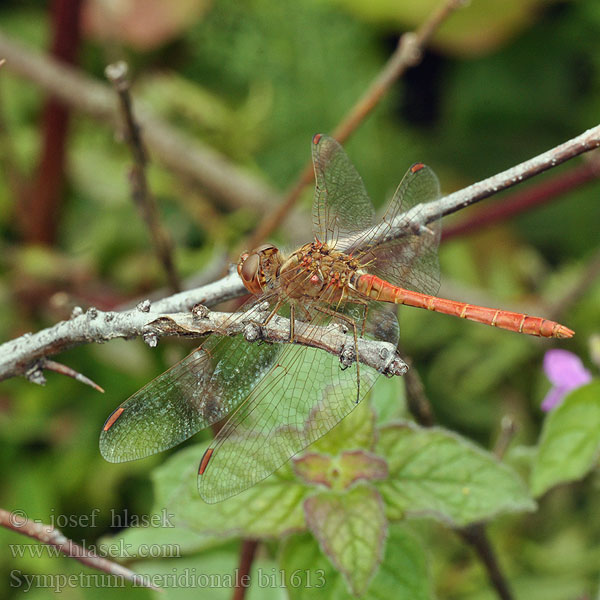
(26, 354)
(23, 354)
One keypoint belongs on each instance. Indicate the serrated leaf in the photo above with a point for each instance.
(403, 574)
(351, 528)
(340, 472)
(313, 468)
(570, 440)
(273, 507)
(433, 472)
(355, 465)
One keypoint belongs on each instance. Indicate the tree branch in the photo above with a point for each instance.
(25, 355)
(19, 356)
(47, 534)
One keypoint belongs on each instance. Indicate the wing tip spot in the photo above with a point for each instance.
(417, 167)
(205, 460)
(112, 418)
(316, 138)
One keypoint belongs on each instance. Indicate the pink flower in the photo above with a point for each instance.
(566, 372)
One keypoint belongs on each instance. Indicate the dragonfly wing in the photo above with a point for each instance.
(382, 323)
(410, 261)
(304, 395)
(341, 205)
(193, 394)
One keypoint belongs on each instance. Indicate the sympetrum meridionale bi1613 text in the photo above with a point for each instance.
(282, 397)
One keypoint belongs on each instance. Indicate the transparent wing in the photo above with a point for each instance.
(304, 395)
(193, 394)
(410, 261)
(341, 205)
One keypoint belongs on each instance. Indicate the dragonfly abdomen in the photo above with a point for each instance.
(381, 290)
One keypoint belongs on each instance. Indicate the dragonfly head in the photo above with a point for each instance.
(257, 268)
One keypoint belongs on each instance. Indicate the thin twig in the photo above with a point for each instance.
(417, 402)
(242, 580)
(508, 429)
(181, 153)
(476, 536)
(163, 247)
(47, 534)
(57, 367)
(407, 54)
(524, 200)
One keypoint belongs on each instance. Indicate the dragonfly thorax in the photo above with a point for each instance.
(315, 268)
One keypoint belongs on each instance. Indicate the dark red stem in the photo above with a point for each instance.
(247, 553)
(536, 195)
(40, 202)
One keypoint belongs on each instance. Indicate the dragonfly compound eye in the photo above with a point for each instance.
(265, 249)
(249, 271)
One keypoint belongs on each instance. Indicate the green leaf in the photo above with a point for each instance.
(389, 399)
(351, 528)
(404, 571)
(166, 542)
(403, 574)
(271, 508)
(570, 440)
(155, 541)
(436, 473)
(340, 472)
(357, 430)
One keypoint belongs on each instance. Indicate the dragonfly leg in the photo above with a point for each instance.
(352, 324)
(364, 318)
(271, 314)
(292, 321)
(274, 312)
(265, 322)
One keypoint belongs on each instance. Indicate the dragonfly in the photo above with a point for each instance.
(279, 398)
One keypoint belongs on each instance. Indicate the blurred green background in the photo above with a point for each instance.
(502, 81)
